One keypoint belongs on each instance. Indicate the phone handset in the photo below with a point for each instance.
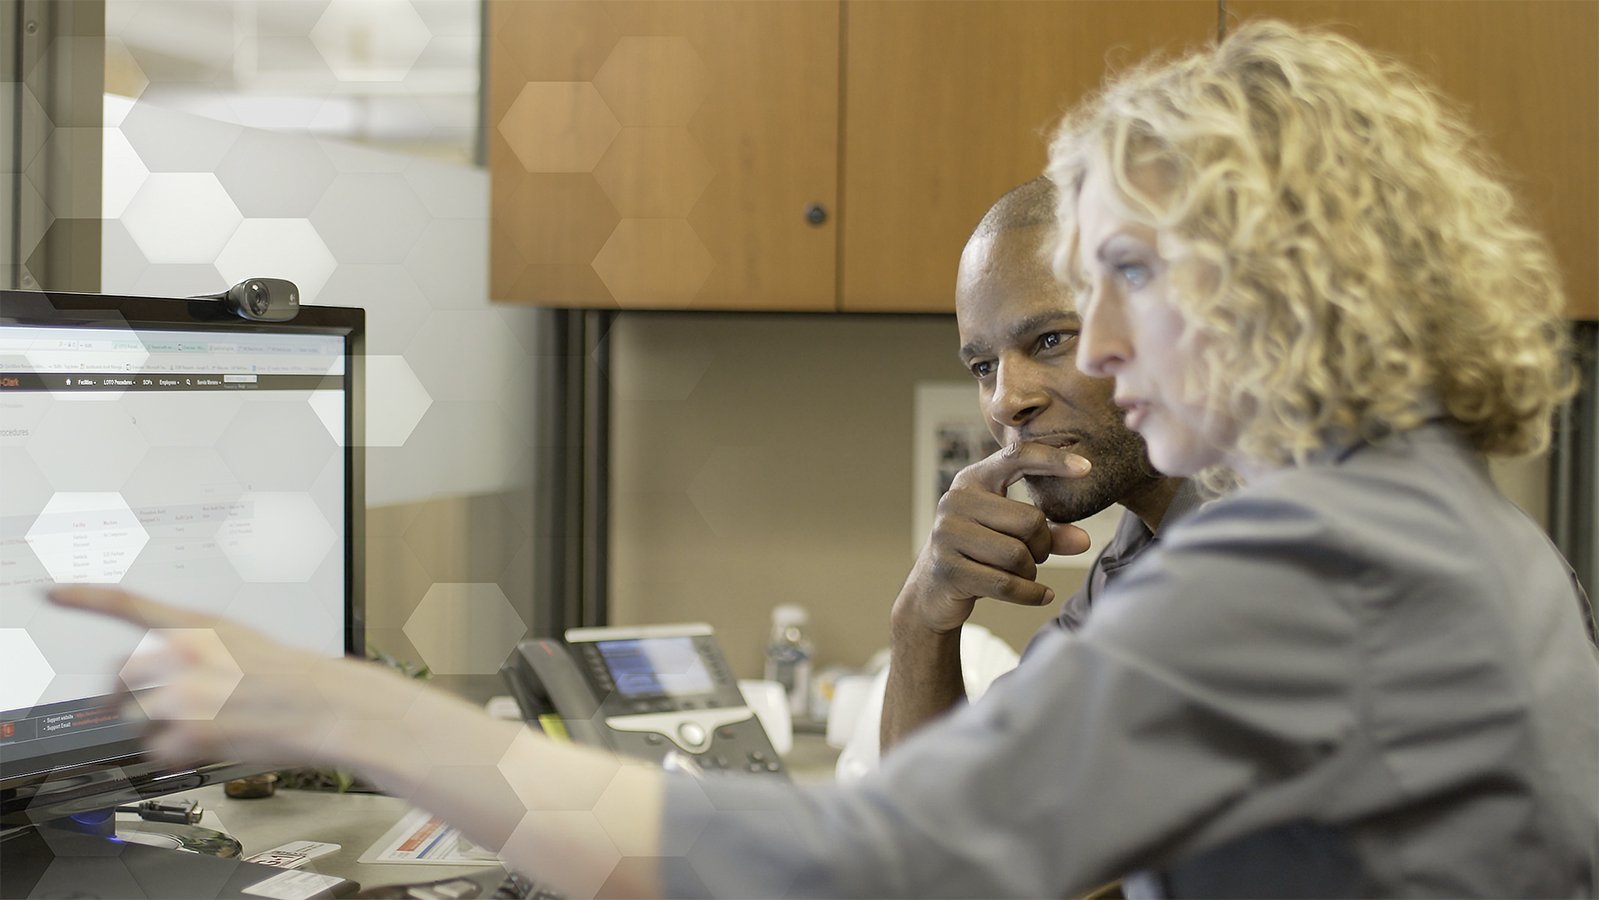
(544, 679)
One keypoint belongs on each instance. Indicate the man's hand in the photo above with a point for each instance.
(985, 544)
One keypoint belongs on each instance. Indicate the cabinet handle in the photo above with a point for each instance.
(816, 213)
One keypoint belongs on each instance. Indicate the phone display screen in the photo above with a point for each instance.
(654, 667)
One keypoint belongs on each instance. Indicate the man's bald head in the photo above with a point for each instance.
(1028, 205)
(1018, 333)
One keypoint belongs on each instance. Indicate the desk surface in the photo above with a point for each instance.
(357, 821)
(353, 821)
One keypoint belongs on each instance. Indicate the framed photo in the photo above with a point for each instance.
(949, 434)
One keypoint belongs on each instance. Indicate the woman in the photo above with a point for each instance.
(1364, 672)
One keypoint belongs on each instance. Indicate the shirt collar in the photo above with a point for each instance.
(1189, 497)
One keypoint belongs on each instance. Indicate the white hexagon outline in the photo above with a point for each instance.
(163, 220)
(51, 542)
(396, 307)
(423, 627)
(125, 174)
(598, 103)
(580, 827)
(130, 360)
(396, 401)
(221, 668)
(274, 424)
(258, 556)
(631, 44)
(411, 37)
(366, 230)
(441, 268)
(27, 674)
(280, 248)
(316, 179)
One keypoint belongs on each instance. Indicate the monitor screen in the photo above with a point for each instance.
(173, 450)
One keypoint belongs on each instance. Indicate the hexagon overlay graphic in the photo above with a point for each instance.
(272, 175)
(30, 111)
(176, 486)
(183, 217)
(369, 218)
(619, 802)
(559, 126)
(292, 613)
(396, 401)
(157, 639)
(464, 628)
(185, 280)
(24, 672)
(395, 305)
(276, 537)
(438, 187)
(149, 127)
(200, 422)
(544, 232)
(653, 81)
(121, 262)
(37, 217)
(654, 262)
(277, 445)
(124, 174)
(450, 263)
(629, 173)
(123, 75)
(370, 40)
(86, 537)
(572, 51)
(72, 150)
(123, 352)
(279, 248)
(584, 830)
(465, 354)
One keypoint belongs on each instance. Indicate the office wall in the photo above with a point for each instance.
(765, 459)
(760, 460)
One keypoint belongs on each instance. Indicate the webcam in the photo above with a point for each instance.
(260, 299)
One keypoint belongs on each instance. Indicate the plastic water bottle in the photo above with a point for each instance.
(789, 657)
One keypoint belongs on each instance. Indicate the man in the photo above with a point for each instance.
(1019, 339)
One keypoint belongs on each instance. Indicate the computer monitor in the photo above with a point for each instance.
(174, 449)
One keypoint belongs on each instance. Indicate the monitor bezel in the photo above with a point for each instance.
(118, 772)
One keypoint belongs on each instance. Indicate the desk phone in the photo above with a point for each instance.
(659, 692)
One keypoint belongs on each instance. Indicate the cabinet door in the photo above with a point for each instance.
(949, 104)
(663, 154)
(1526, 73)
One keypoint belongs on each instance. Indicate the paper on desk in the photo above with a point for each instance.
(295, 885)
(420, 837)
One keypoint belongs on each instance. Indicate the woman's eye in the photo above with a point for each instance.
(1134, 275)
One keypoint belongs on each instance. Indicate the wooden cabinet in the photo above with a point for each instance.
(950, 104)
(1525, 73)
(664, 154)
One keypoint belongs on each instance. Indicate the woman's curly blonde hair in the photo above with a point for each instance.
(1363, 264)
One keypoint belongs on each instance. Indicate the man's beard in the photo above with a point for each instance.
(1121, 468)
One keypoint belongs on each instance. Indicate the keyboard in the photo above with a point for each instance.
(516, 887)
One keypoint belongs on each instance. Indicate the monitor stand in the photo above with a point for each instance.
(63, 859)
